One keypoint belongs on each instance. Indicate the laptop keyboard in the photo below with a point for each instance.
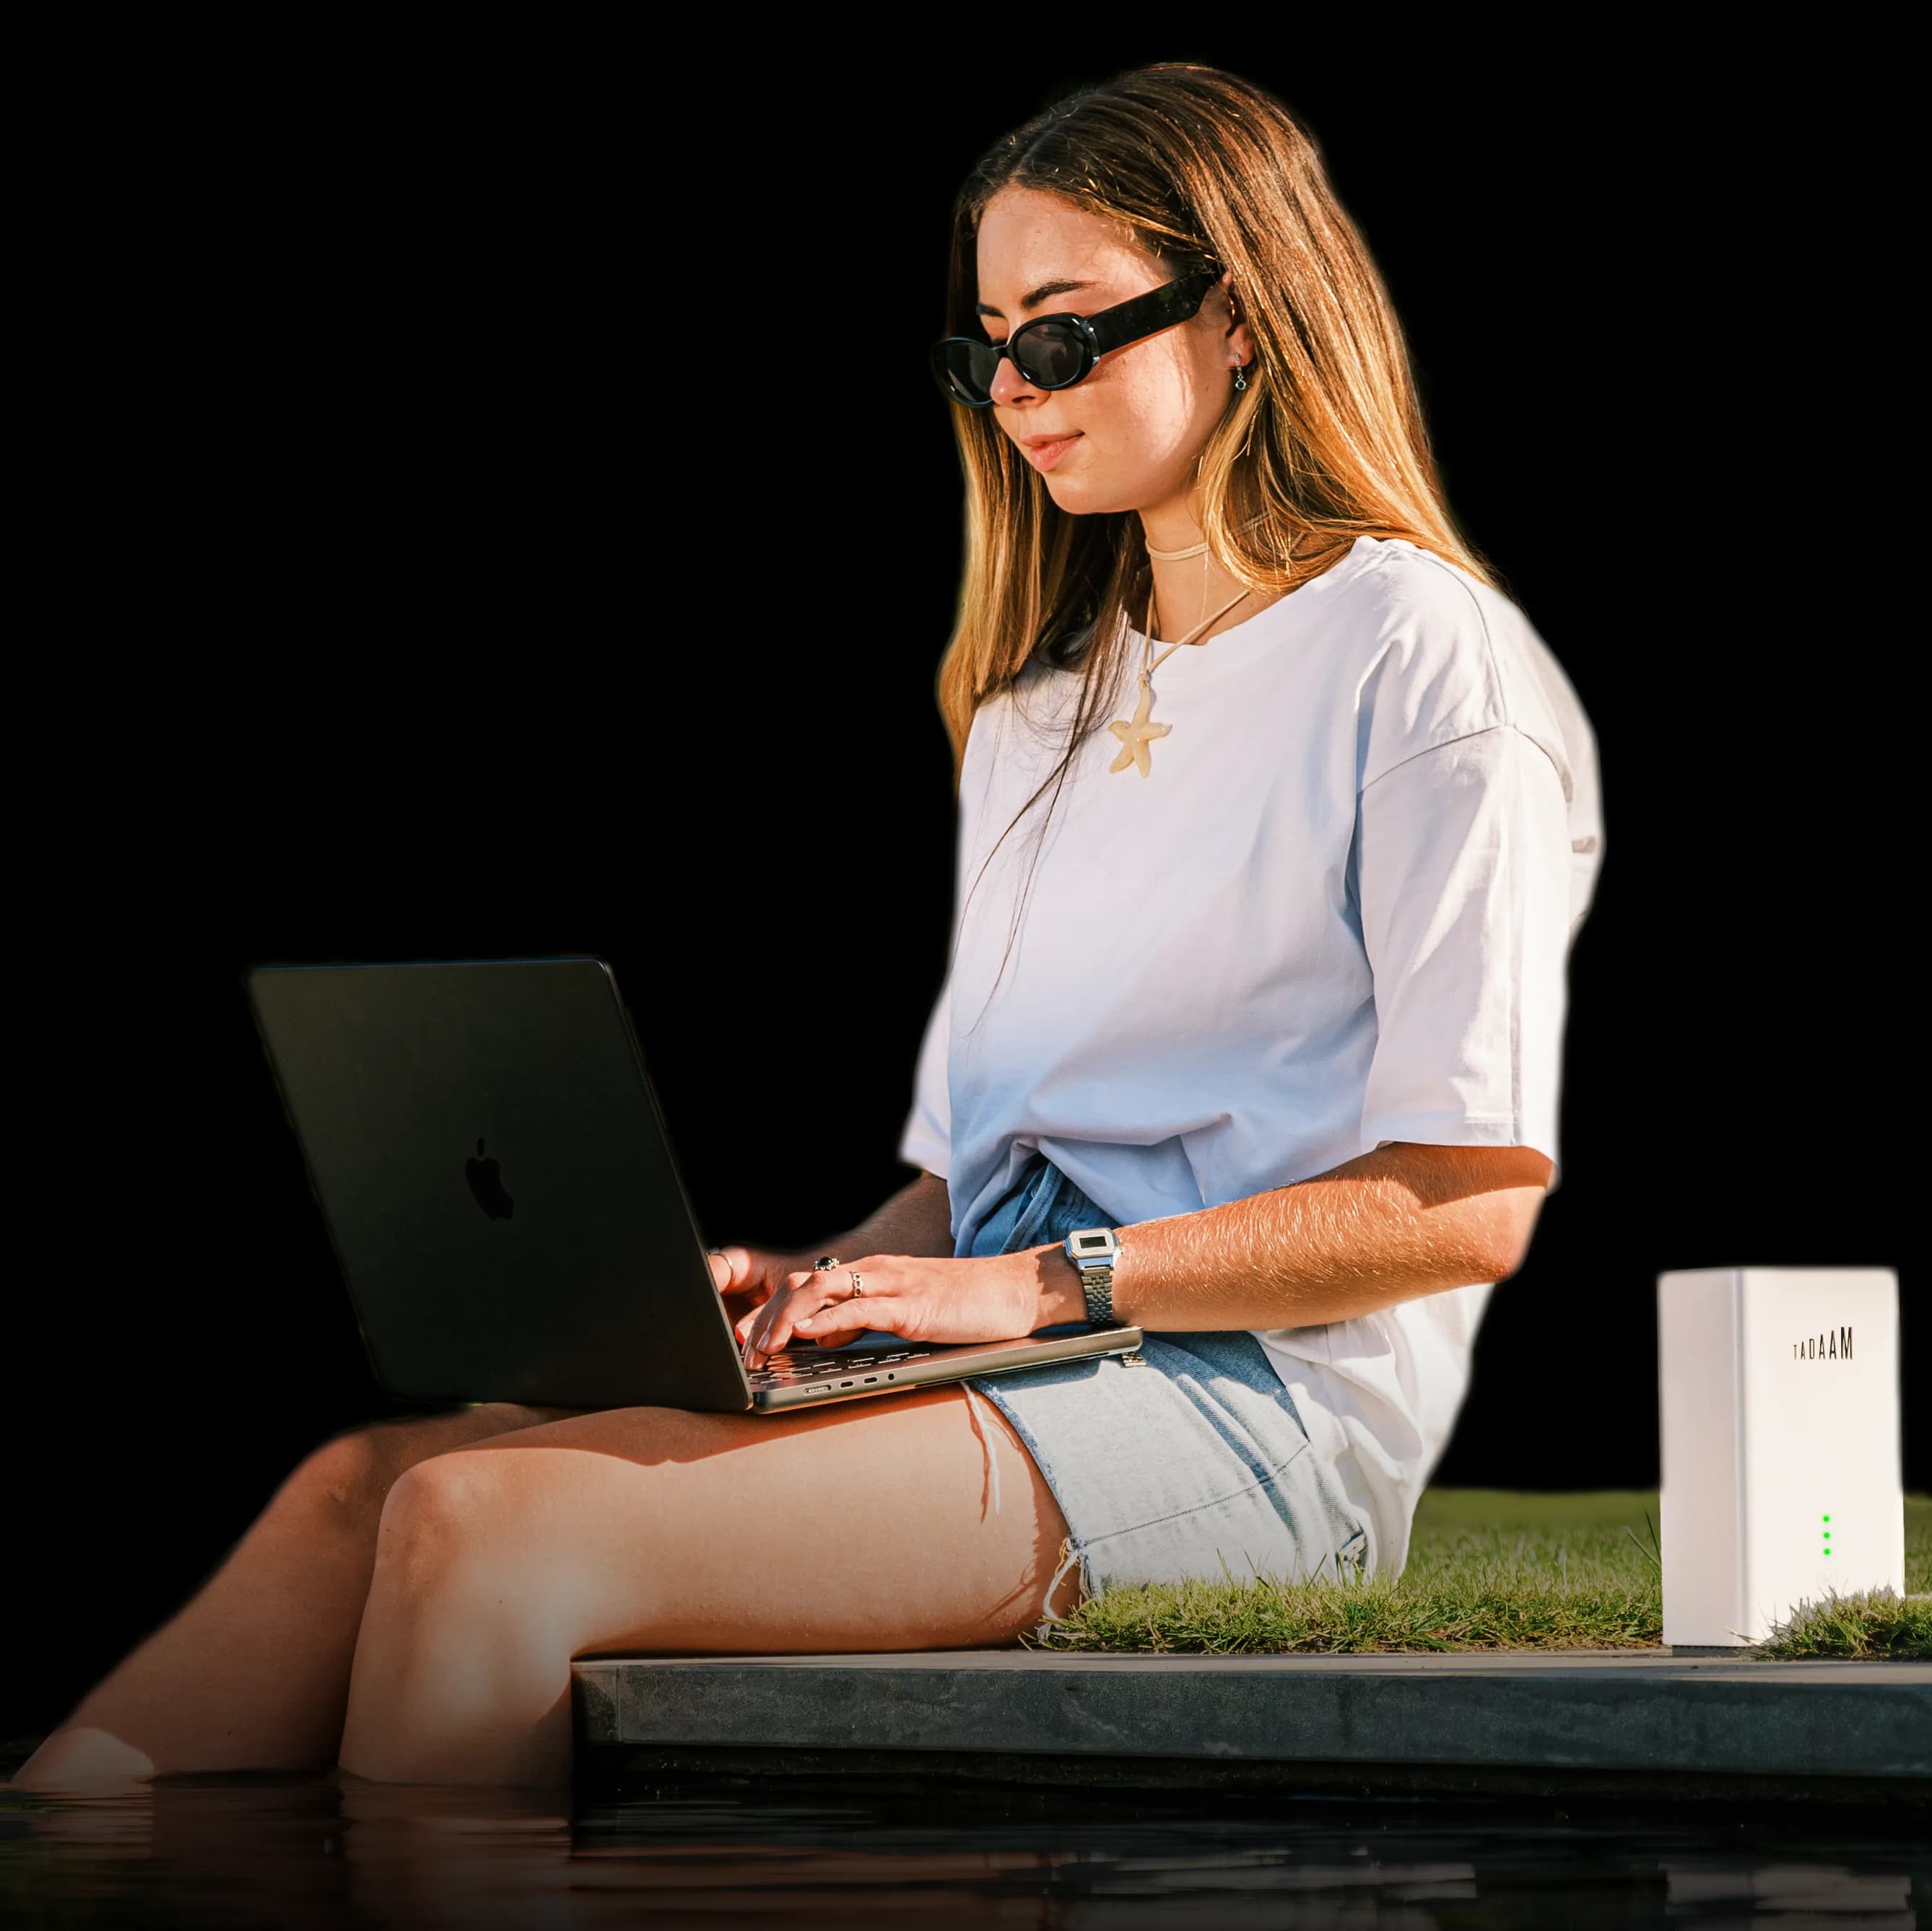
(810, 1364)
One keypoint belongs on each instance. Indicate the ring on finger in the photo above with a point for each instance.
(858, 1286)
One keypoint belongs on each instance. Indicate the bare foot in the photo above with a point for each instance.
(83, 1760)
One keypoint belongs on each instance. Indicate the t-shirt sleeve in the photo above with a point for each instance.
(1463, 865)
(927, 1141)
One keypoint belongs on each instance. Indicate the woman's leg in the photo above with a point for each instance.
(916, 1522)
(253, 1674)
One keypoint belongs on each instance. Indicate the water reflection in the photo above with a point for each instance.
(233, 1852)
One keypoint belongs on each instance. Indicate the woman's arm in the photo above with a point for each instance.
(1404, 1220)
(918, 1220)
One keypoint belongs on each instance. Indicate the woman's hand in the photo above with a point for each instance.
(997, 1299)
(748, 1277)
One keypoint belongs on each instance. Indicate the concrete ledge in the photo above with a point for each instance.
(1618, 1719)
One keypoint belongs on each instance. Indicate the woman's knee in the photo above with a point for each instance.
(343, 1480)
(439, 1513)
(353, 1474)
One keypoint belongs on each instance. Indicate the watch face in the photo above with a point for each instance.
(1098, 1241)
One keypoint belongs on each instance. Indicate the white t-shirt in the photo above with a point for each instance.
(1337, 913)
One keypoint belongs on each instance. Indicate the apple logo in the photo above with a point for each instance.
(486, 1183)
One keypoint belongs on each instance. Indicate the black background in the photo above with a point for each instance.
(537, 532)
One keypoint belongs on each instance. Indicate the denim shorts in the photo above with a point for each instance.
(1194, 1464)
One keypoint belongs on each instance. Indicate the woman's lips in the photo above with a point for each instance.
(1044, 455)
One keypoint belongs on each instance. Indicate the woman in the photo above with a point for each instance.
(1277, 820)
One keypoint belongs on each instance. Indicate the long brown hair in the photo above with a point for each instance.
(1328, 443)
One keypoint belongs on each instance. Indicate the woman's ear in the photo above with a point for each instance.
(1241, 338)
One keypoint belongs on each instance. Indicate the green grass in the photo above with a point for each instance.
(1493, 1569)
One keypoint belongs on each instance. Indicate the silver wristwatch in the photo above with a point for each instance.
(1094, 1250)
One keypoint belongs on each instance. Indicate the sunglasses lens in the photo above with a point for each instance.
(1050, 354)
(967, 369)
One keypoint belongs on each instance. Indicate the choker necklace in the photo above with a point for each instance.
(1193, 549)
(1136, 733)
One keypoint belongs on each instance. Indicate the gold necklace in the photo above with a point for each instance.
(1137, 732)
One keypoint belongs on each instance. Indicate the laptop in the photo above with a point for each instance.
(483, 1142)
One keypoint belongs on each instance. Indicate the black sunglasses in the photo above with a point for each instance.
(1055, 351)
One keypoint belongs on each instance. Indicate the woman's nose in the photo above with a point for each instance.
(1008, 386)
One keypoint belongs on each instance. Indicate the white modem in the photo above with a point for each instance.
(1782, 1475)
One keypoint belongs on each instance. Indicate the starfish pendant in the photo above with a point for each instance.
(1135, 737)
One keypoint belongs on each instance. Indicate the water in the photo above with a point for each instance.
(719, 1852)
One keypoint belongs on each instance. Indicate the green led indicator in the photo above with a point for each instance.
(1828, 1518)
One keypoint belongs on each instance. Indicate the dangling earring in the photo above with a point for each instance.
(1241, 378)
